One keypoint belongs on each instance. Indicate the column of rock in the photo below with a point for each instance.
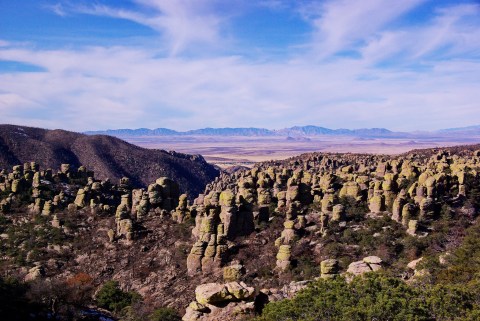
(461, 184)
(37, 206)
(123, 219)
(338, 213)
(329, 269)
(96, 195)
(284, 257)
(389, 187)
(247, 197)
(421, 191)
(81, 199)
(264, 198)
(170, 193)
(292, 196)
(194, 259)
(182, 212)
(143, 207)
(288, 234)
(202, 255)
(351, 189)
(397, 207)
(431, 187)
(228, 213)
(376, 204)
(222, 247)
(155, 196)
(281, 201)
(47, 208)
(3, 180)
(427, 209)
(136, 198)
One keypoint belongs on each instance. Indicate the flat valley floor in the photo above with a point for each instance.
(245, 151)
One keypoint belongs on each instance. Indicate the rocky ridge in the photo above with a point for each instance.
(108, 156)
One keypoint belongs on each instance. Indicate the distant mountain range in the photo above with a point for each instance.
(296, 131)
(469, 129)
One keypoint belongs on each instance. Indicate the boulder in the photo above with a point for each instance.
(212, 293)
(358, 268)
(216, 293)
(372, 260)
(329, 268)
(233, 272)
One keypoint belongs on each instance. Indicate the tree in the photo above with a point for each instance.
(112, 298)
(80, 288)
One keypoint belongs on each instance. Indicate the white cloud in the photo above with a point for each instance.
(58, 9)
(119, 87)
(183, 23)
(342, 24)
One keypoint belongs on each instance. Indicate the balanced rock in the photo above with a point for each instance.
(329, 268)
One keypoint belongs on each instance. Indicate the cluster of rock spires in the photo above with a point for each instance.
(69, 189)
(307, 191)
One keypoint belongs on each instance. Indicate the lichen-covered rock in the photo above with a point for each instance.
(338, 213)
(377, 204)
(372, 260)
(368, 264)
(233, 272)
(412, 227)
(329, 268)
(358, 268)
(80, 199)
(125, 228)
(283, 257)
(35, 273)
(47, 208)
(56, 222)
(212, 293)
(194, 259)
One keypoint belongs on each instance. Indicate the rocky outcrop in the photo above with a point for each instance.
(368, 264)
(215, 301)
(108, 156)
(329, 268)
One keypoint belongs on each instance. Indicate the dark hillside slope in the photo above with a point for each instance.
(108, 156)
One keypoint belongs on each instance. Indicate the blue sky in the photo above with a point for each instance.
(186, 64)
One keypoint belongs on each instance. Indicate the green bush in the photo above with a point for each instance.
(112, 298)
(375, 297)
(165, 314)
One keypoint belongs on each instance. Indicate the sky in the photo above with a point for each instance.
(187, 64)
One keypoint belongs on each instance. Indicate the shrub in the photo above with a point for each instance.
(112, 298)
(375, 297)
(164, 314)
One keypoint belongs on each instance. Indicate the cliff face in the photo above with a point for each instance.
(108, 156)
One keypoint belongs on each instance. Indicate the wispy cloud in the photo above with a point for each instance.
(182, 23)
(342, 25)
(131, 88)
(402, 77)
(58, 9)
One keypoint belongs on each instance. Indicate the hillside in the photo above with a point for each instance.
(108, 156)
(256, 243)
